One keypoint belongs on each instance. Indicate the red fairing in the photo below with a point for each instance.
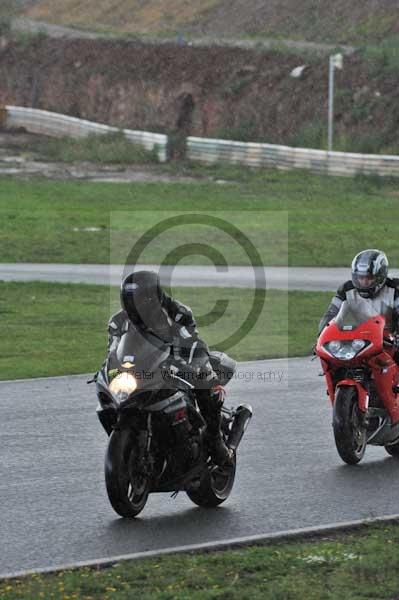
(385, 374)
(329, 381)
(371, 330)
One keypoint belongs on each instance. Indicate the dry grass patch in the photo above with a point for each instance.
(130, 16)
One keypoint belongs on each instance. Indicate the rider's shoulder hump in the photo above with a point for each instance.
(345, 287)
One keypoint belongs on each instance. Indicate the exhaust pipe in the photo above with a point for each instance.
(242, 417)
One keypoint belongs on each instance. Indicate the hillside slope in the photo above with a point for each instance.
(344, 21)
(14, 8)
(211, 91)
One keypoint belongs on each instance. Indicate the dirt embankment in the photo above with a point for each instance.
(216, 92)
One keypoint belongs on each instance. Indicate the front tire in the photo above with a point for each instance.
(216, 485)
(349, 432)
(127, 491)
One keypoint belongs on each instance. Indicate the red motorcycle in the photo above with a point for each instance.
(357, 355)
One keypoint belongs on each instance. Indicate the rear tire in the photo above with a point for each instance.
(349, 433)
(393, 450)
(127, 493)
(216, 485)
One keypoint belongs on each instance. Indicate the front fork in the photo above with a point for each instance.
(145, 459)
(362, 392)
(362, 399)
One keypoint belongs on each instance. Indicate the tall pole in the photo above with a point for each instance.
(336, 62)
(330, 102)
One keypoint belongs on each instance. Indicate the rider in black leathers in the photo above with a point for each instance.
(146, 306)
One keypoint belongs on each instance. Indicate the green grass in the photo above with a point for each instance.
(383, 58)
(54, 329)
(4, 24)
(50, 329)
(377, 141)
(329, 219)
(355, 566)
(107, 149)
(8, 10)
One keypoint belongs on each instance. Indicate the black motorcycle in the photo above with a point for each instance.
(158, 439)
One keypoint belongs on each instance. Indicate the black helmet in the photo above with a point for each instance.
(369, 272)
(141, 297)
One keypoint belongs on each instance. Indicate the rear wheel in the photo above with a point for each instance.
(393, 450)
(216, 485)
(127, 488)
(349, 432)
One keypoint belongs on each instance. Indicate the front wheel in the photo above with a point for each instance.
(349, 432)
(216, 485)
(127, 488)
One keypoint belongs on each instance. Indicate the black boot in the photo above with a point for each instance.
(218, 450)
(211, 406)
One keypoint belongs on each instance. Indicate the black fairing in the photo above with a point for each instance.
(147, 353)
(144, 349)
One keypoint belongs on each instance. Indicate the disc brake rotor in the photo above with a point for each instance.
(137, 479)
(357, 428)
(138, 485)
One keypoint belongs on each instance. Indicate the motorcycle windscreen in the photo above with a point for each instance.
(351, 316)
(142, 349)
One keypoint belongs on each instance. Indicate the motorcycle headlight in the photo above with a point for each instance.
(345, 350)
(122, 386)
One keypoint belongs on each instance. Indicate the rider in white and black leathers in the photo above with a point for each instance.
(370, 283)
(146, 306)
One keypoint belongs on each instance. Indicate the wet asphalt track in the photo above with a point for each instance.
(54, 505)
(280, 278)
(304, 278)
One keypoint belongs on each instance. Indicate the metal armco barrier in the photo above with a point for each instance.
(208, 150)
(284, 157)
(57, 125)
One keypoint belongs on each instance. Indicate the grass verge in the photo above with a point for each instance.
(319, 220)
(355, 566)
(105, 149)
(54, 329)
